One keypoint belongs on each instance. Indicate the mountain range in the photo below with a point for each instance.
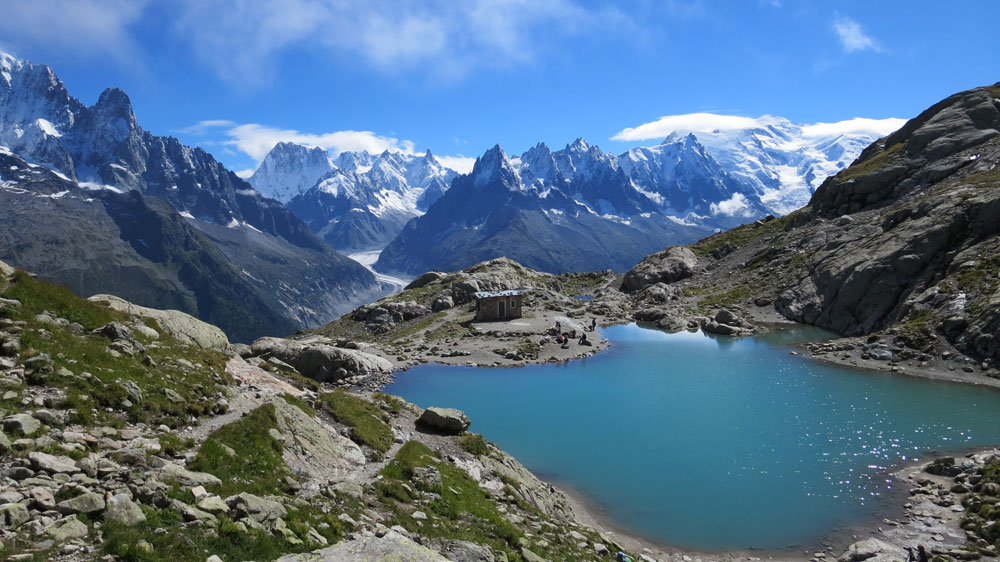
(100, 195)
(574, 209)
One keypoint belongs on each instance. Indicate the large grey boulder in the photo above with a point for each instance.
(320, 361)
(185, 477)
(122, 509)
(89, 502)
(67, 528)
(180, 325)
(872, 550)
(667, 266)
(13, 515)
(392, 546)
(424, 280)
(314, 449)
(445, 420)
(22, 424)
(255, 508)
(5, 269)
(53, 464)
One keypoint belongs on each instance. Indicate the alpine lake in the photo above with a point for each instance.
(715, 443)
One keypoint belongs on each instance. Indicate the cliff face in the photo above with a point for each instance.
(905, 239)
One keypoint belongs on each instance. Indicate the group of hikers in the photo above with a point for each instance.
(563, 338)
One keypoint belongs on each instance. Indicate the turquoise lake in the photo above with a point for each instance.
(714, 442)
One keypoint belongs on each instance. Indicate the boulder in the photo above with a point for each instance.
(213, 505)
(180, 325)
(22, 424)
(5, 269)
(13, 515)
(185, 477)
(442, 303)
(392, 546)
(874, 550)
(255, 508)
(445, 420)
(190, 513)
(725, 316)
(668, 266)
(313, 449)
(321, 361)
(89, 502)
(425, 279)
(52, 464)
(122, 509)
(67, 528)
(115, 331)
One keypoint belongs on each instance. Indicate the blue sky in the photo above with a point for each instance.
(458, 76)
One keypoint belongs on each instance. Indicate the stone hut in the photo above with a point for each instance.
(498, 305)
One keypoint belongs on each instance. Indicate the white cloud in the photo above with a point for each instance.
(878, 127)
(695, 122)
(734, 206)
(711, 122)
(84, 27)
(461, 164)
(437, 38)
(852, 37)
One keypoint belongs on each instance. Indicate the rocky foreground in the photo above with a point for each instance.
(135, 434)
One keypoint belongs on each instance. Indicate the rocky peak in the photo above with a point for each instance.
(927, 149)
(492, 166)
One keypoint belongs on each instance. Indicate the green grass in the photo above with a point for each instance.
(194, 544)
(394, 404)
(529, 348)
(448, 330)
(414, 326)
(36, 296)
(173, 445)
(463, 511)
(99, 398)
(740, 236)
(257, 467)
(873, 164)
(725, 299)
(474, 444)
(366, 420)
(300, 404)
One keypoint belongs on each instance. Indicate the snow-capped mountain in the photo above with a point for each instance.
(358, 201)
(781, 161)
(101, 149)
(290, 169)
(570, 210)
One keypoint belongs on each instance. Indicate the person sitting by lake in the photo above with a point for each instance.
(583, 339)
(920, 556)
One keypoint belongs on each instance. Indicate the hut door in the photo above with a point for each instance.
(501, 312)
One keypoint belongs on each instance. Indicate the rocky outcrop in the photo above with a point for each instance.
(670, 265)
(445, 420)
(181, 326)
(924, 151)
(391, 546)
(314, 450)
(319, 360)
(922, 236)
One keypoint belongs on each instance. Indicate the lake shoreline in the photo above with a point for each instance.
(832, 544)
(872, 526)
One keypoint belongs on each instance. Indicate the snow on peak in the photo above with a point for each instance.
(494, 163)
